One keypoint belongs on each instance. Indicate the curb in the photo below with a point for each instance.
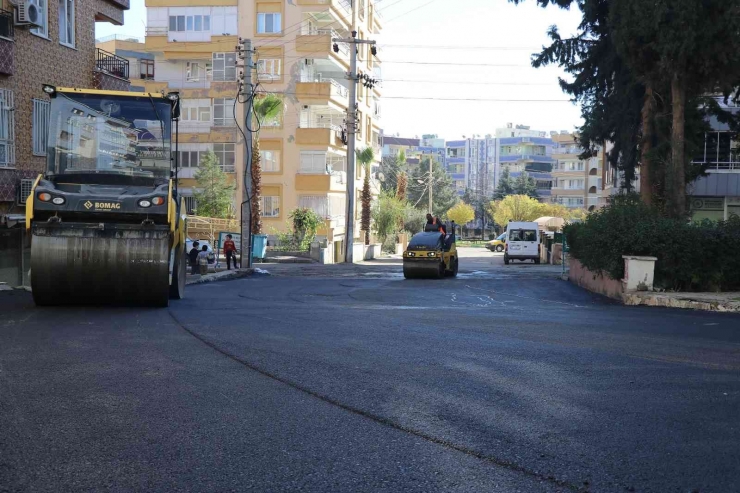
(631, 299)
(240, 274)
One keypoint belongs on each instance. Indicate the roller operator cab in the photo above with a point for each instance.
(107, 223)
(431, 255)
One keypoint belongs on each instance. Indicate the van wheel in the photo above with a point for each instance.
(536, 261)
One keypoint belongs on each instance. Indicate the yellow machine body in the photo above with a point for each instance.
(106, 221)
(430, 255)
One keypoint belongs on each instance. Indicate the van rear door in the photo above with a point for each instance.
(530, 247)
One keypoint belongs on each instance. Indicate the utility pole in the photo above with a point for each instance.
(353, 78)
(246, 92)
(431, 182)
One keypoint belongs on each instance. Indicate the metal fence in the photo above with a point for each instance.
(112, 64)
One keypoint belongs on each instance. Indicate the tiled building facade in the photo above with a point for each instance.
(31, 56)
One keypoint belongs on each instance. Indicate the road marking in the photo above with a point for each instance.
(526, 297)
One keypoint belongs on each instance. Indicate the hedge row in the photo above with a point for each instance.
(691, 256)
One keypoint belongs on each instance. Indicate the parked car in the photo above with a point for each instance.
(522, 242)
(211, 253)
(498, 244)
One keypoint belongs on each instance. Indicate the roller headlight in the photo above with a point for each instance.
(58, 200)
(158, 200)
(144, 203)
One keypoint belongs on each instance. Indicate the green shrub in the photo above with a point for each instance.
(690, 256)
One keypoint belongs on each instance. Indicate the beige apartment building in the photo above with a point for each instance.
(304, 151)
(577, 183)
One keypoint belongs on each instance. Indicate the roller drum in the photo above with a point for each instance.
(94, 265)
(422, 269)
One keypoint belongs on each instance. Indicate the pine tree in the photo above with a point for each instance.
(216, 195)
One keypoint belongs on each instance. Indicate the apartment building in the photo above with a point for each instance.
(577, 183)
(716, 196)
(190, 48)
(522, 149)
(56, 47)
(304, 151)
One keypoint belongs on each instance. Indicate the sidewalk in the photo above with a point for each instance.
(713, 302)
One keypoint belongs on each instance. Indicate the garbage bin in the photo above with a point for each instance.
(259, 246)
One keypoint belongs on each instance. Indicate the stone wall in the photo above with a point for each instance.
(596, 283)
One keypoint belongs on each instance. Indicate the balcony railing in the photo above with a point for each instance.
(7, 26)
(120, 37)
(111, 64)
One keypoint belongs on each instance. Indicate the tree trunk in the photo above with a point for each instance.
(366, 203)
(256, 188)
(648, 129)
(677, 195)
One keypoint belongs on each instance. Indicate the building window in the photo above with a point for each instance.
(67, 22)
(223, 112)
(196, 113)
(269, 69)
(269, 23)
(191, 159)
(224, 66)
(195, 23)
(317, 203)
(43, 30)
(193, 71)
(191, 205)
(270, 161)
(147, 69)
(270, 205)
(7, 128)
(40, 126)
(226, 156)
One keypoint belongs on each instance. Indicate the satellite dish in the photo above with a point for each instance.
(381, 176)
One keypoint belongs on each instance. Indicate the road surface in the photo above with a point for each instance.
(507, 379)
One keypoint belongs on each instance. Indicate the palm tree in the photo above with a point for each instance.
(364, 158)
(265, 108)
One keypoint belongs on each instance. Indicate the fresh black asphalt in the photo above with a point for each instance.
(509, 382)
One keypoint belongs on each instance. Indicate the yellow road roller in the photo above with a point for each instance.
(431, 255)
(106, 220)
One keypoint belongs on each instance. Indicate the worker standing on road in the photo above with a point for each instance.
(193, 257)
(203, 260)
(230, 252)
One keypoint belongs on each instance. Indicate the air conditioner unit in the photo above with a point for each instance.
(24, 190)
(28, 13)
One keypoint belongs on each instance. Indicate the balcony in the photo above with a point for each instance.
(329, 136)
(318, 44)
(110, 72)
(321, 171)
(343, 8)
(322, 92)
(508, 158)
(111, 64)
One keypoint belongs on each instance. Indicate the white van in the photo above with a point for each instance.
(522, 242)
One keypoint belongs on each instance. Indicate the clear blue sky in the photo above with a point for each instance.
(494, 33)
